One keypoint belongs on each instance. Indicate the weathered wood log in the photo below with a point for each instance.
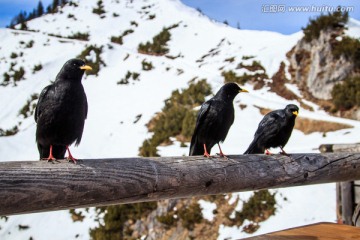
(345, 194)
(36, 186)
(349, 147)
(347, 202)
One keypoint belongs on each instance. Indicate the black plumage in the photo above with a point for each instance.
(274, 130)
(214, 120)
(61, 112)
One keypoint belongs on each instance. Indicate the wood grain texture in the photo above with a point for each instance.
(319, 231)
(349, 147)
(345, 191)
(36, 186)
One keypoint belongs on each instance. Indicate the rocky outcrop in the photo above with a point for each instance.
(313, 66)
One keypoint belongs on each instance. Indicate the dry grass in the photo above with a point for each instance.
(278, 86)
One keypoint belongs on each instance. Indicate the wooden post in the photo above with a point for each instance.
(36, 186)
(350, 147)
(347, 201)
(345, 194)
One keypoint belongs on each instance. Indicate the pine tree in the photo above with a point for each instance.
(40, 9)
(238, 25)
(48, 9)
(32, 15)
(63, 2)
(22, 20)
(55, 4)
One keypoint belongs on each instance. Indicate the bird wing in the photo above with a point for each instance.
(40, 102)
(268, 127)
(200, 119)
(205, 107)
(86, 107)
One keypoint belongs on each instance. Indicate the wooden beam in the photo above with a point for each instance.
(318, 231)
(345, 191)
(36, 186)
(349, 147)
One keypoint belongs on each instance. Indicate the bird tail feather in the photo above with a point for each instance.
(254, 148)
(196, 148)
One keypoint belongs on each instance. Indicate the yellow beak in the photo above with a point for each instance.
(295, 113)
(86, 67)
(243, 90)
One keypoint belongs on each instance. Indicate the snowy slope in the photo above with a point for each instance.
(110, 130)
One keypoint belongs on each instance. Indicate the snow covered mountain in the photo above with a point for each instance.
(199, 48)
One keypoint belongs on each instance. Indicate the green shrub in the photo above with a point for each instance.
(257, 76)
(118, 40)
(19, 74)
(116, 220)
(148, 149)
(95, 64)
(158, 46)
(146, 66)
(13, 55)
(245, 57)
(349, 48)
(230, 59)
(346, 94)
(324, 22)
(255, 66)
(12, 75)
(76, 216)
(80, 36)
(28, 109)
(168, 220)
(127, 32)
(6, 79)
(37, 68)
(177, 117)
(230, 76)
(188, 124)
(99, 10)
(30, 44)
(9, 132)
(190, 216)
(128, 75)
(257, 209)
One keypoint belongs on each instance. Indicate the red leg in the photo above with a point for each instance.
(50, 157)
(267, 152)
(70, 157)
(221, 153)
(283, 152)
(206, 154)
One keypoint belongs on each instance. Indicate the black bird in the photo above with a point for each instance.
(214, 120)
(274, 130)
(61, 112)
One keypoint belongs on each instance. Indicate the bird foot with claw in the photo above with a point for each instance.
(267, 152)
(222, 155)
(207, 155)
(72, 159)
(284, 153)
(49, 159)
